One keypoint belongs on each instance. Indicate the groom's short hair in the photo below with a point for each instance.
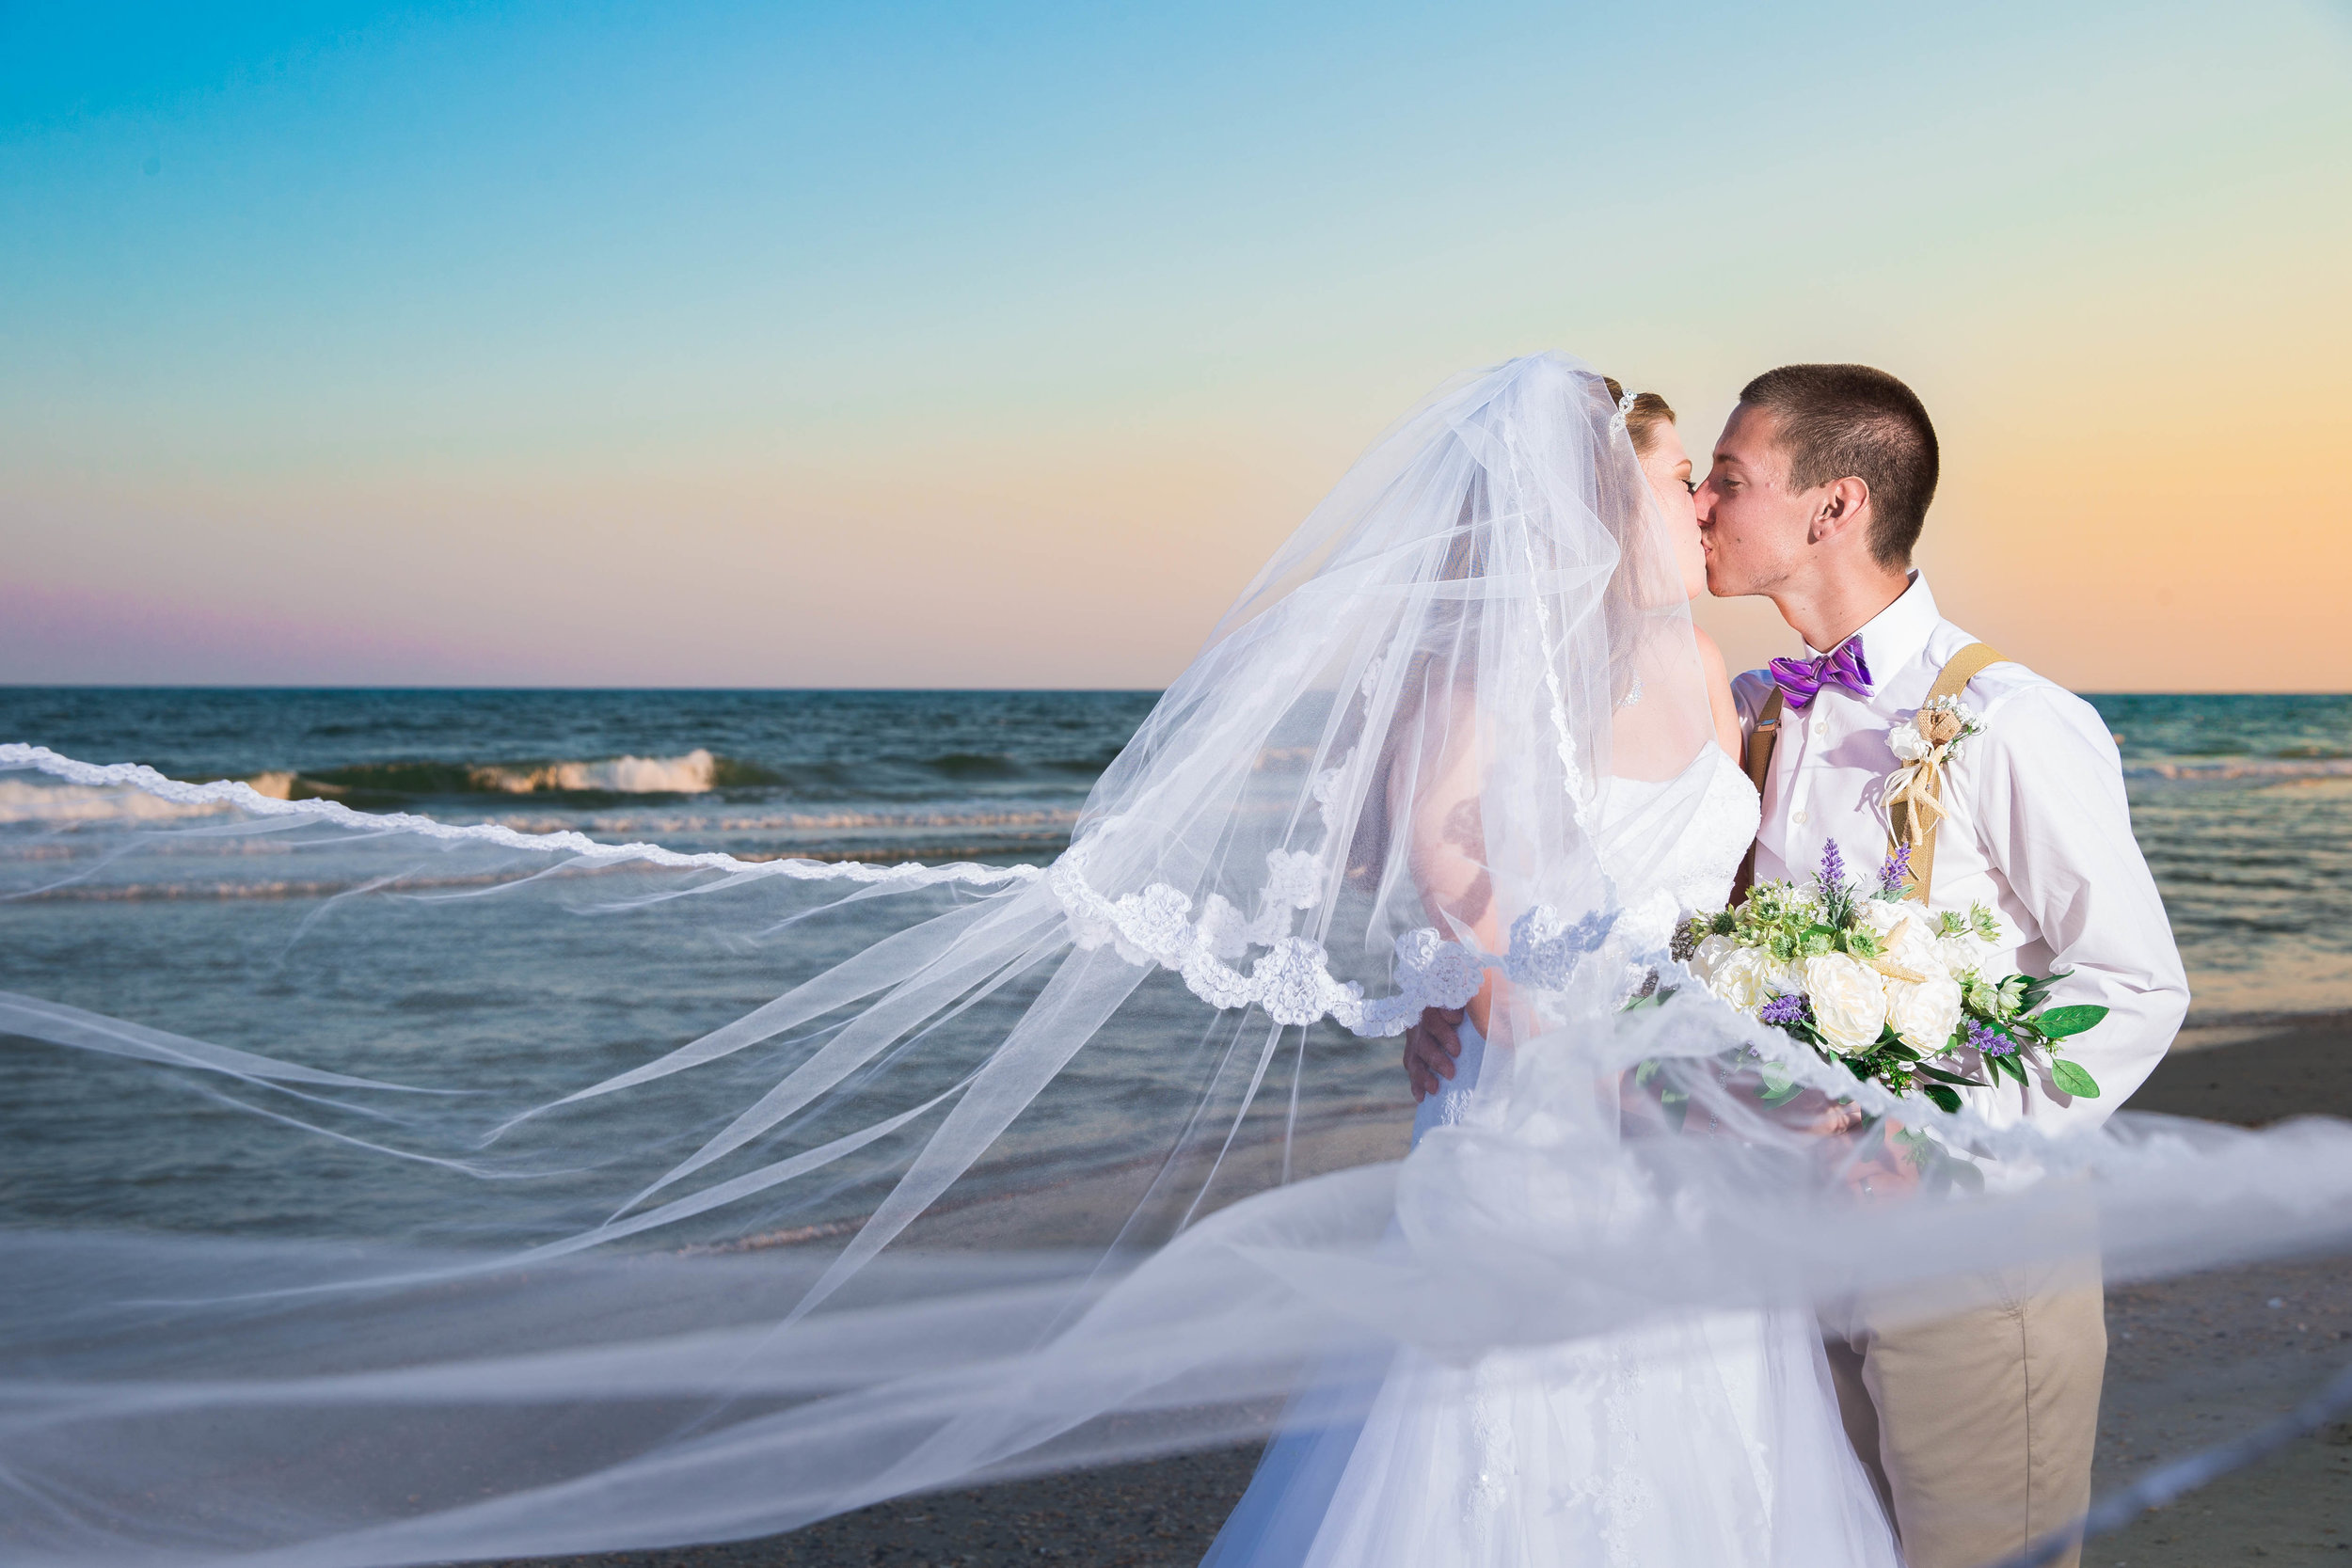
(1839, 419)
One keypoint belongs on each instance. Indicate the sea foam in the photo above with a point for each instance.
(692, 774)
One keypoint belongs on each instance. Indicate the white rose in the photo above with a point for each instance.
(1849, 1001)
(1960, 953)
(1746, 978)
(1907, 742)
(1710, 951)
(1925, 1013)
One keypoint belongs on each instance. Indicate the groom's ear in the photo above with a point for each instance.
(1841, 510)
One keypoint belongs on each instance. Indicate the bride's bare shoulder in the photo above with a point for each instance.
(1719, 701)
(1712, 659)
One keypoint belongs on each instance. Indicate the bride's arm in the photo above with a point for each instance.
(1440, 785)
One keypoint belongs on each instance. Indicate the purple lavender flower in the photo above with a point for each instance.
(1896, 872)
(1992, 1043)
(1833, 865)
(1785, 1009)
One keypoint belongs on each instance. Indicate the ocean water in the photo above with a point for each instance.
(757, 774)
(2242, 802)
(2243, 806)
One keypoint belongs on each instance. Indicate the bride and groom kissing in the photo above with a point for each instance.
(1971, 1422)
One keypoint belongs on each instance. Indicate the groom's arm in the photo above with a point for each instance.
(2051, 812)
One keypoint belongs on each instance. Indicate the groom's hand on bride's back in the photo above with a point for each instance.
(1430, 1047)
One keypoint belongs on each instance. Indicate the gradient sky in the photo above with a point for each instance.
(773, 346)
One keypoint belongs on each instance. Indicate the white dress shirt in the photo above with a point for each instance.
(2038, 831)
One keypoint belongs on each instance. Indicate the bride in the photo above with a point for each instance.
(1714, 1439)
(554, 1238)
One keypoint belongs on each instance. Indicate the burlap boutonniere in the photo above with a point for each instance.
(1926, 743)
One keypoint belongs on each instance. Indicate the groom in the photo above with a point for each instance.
(1977, 1425)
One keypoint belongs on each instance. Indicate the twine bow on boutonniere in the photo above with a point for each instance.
(1926, 743)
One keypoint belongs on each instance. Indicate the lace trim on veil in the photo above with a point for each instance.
(1292, 979)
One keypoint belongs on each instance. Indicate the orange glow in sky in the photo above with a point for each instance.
(765, 352)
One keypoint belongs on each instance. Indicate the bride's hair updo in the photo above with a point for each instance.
(1643, 421)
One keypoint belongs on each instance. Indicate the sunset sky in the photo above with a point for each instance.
(796, 345)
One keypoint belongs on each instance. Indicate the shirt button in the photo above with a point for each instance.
(1798, 818)
(1820, 728)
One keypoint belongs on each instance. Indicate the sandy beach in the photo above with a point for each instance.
(2191, 1362)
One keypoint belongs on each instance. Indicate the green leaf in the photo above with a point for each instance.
(1946, 1098)
(1966, 1174)
(2059, 1023)
(2072, 1079)
(2012, 1064)
(1942, 1077)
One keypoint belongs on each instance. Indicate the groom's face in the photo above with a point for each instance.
(1754, 528)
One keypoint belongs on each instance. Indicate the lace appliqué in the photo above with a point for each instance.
(1494, 1470)
(1292, 980)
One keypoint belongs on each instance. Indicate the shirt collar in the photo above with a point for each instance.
(1898, 634)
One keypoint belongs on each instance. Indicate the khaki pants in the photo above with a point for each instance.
(1978, 1427)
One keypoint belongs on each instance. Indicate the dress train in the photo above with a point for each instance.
(1708, 1440)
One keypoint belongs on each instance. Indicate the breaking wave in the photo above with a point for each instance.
(697, 772)
(22, 802)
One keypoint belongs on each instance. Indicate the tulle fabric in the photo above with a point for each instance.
(1700, 1437)
(376, 1191)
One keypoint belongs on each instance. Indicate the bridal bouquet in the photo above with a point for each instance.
(1882, 985)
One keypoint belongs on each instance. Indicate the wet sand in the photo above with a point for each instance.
(2191, 1362)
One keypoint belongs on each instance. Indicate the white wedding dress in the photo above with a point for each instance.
(1711, 1441)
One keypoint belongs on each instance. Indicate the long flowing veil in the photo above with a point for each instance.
(379, 1188)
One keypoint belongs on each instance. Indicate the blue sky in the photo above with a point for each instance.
(417, 341)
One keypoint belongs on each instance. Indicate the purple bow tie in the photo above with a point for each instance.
(1799, 679)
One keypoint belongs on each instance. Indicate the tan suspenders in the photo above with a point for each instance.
(1964, 667)
(1760, 769)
